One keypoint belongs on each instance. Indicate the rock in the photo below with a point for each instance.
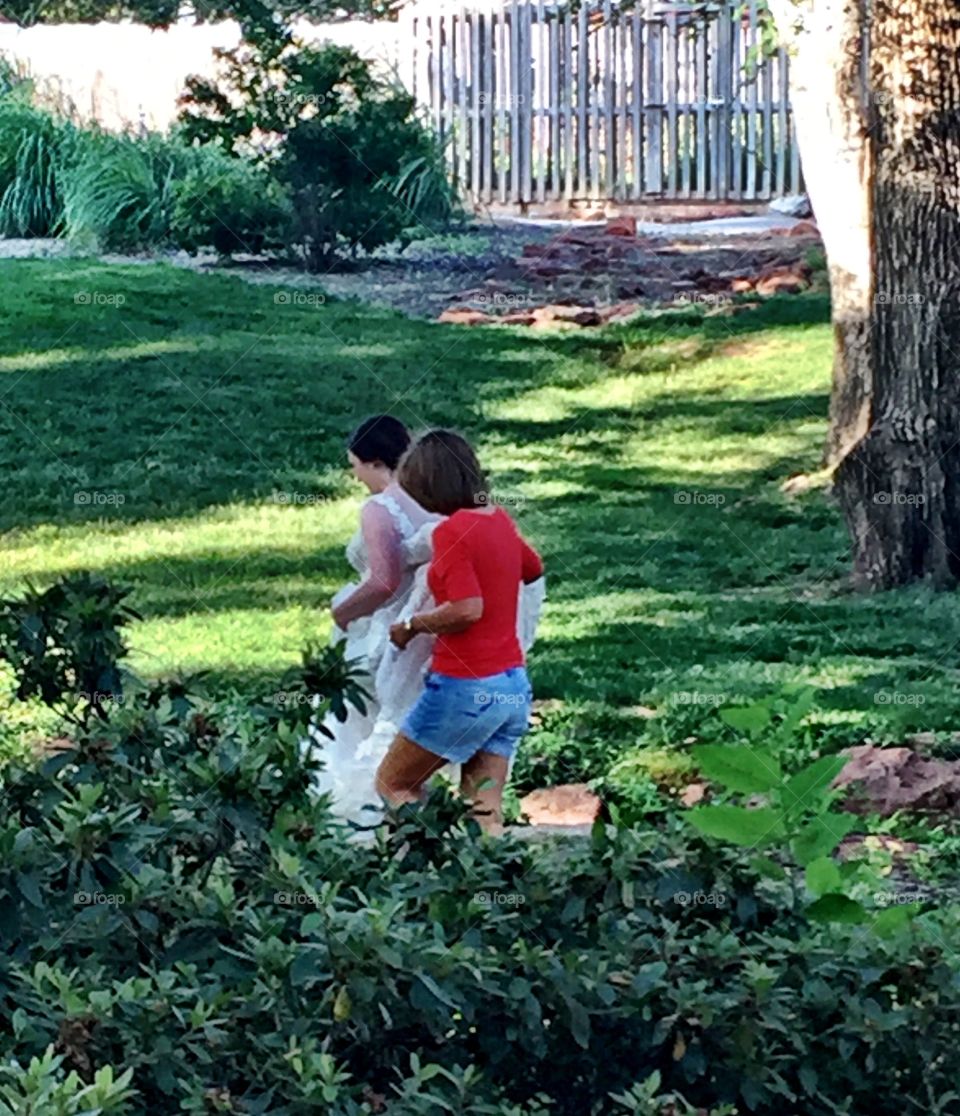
(554, 314)
(620, 312)
(462, 315)
(516, 317)
(784, 280)
(693, 793)
(741, 285)
(568, 804)
(805, 228)
(855, 845)
(794, 205)
(885, 780)
(621, 226)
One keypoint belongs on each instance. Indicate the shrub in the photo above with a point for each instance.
(357, 164)
(177, 907)
(228, 205)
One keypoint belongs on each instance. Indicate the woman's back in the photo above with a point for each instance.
(481, 554)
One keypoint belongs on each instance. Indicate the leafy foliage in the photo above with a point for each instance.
(184, 931)
(796, 808)
(357, 164)
(65, 642)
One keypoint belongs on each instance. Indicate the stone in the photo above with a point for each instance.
(787, 280)
(793, 205)
(620, 311)
(462, 315)
(621, 226)
(741, 285)
(885, 780)
(555, 313)
(565, 805)
(693, 793)
(804, 228)
(517, 317)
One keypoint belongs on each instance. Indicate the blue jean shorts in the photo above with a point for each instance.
(457, 717)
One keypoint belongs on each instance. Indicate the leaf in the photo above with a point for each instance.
(342, 1005)
(738, 767)
(436, 991)
(894, 919)
(823, 876)
(821, 836)
(837, 908)
(812, 781)
(768, 868)
(30, 890)
(746, 718)
(737, 824)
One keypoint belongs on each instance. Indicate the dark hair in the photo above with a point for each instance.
(441, 472)
(380, 438)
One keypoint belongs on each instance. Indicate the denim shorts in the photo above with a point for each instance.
(458, 717)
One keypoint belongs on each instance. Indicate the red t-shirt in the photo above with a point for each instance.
(481, 554)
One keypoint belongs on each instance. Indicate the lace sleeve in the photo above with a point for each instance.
(383, 546)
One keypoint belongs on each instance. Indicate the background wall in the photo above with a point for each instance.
(121, 73)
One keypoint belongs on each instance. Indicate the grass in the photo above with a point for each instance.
(184, 434)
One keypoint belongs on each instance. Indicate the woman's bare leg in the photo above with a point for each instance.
(482, 779)
(404, 770)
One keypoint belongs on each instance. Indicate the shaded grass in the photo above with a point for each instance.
(202, 422)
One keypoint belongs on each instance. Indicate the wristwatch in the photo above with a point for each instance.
(408, 625)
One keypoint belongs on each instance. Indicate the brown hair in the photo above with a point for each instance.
(441, 472)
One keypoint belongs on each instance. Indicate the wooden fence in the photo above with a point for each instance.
(537, 102)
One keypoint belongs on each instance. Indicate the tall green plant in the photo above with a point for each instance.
(796, 810)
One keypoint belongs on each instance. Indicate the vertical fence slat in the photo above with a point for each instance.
(672, 68)
(767, 127)
(539, 105)
(502, 93)
(607, 97)
(752, 111)
(701, 135)
(654, 129)
(583, 80)
(736, 107)
(637, 103)
(461, 89)
(554, 37)
(783, 137)
(568, 148)
(513, 101)
(623, 102)
(484, 100)
(596, 96)
(713, 117)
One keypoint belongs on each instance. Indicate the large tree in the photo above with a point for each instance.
(876, 86)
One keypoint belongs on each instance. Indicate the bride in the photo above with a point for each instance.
(391, 553)
(384, 552)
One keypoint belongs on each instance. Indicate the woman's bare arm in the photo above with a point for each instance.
(454, 616)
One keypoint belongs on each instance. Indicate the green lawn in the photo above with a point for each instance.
(646, 462)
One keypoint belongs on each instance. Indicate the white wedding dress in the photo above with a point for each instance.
(393, 678)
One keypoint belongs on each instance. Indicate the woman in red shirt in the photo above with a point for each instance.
(476, 701)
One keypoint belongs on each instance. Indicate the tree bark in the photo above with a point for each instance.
(899, 484)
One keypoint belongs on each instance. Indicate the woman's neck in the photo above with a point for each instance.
(381, 483)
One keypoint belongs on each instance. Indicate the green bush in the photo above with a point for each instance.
(177, 907)
(230, 206)
(357, 164)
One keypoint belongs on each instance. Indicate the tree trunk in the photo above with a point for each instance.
(827, 91)
(899, 484)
